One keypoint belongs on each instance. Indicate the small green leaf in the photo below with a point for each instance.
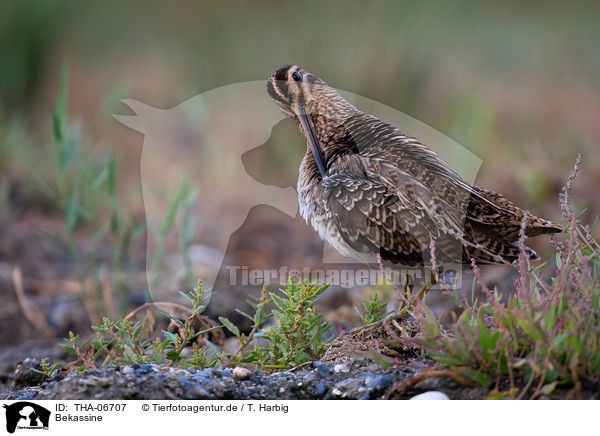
(173, 356)
(481, 378)
(549, 388)
(98, 353)
(229, 326)
(170, 336)
(244, 314)
(129, 354)
(213, 348)
(156, 355)
(70, 350)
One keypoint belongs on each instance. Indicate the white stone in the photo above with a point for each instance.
(341, 367)
(431, 395)
(127, 370)
(241, 373)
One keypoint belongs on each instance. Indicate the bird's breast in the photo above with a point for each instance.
(311, 200)
(311, 204)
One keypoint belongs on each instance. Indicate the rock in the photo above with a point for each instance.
(313, 386)
(204, 376)
(379, 382)
(241, 373)
(26, 374)
(225, 373)
(316, 390)
(194, 391)
(321, 368)
(346, 388)
(145, 368)
(341, 367)
(431, 395)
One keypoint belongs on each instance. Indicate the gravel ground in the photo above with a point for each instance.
(341, 379)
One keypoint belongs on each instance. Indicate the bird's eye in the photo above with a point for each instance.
(297, 77)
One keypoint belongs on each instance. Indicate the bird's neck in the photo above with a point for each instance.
(330, 115)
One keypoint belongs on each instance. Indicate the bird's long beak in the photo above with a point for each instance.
(311, 136)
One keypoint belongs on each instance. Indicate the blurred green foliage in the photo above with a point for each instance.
(389, 50)
(515, 82)
(27, 32)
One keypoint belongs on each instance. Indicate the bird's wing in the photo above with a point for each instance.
(504, 218)
(486, 226)
(426, 198)
(378, 207)
(404, 164)
(373, 216)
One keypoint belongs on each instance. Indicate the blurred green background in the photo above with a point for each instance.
(517, 83)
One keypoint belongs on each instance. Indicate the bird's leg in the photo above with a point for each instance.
(411, 301)
(407, 303)
(430, 283)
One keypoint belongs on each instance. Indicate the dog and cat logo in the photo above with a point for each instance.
(26, 415)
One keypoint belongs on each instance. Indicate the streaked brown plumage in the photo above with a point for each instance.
(368, 188)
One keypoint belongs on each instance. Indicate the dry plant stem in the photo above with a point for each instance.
(587, 243)
(244, 341)
(158, 304)
(401, 312)
(576, 380)
(407, 384)
(107, 293)
(511, 376)
(395, 323)
(526, 388)
(538, 388)
(302, 365)
(273, 366)
(49, 287)
(243, 344)
(33, 315)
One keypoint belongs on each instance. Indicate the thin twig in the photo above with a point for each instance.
(158, 304)
(407, 384)
(526, 388)
(33, 314)
(302, 365)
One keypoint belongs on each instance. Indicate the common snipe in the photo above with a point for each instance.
(368, 188)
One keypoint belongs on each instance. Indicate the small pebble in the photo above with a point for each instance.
(196, 392)
(321, 367)
(311, 377)
(345, 383)
(184, 380)
(316, 389)
(241, 373)
(431, 395)
(226, 373)
(341, 367)
(127, 370)
(379, 382)
(144, 369)
(205, 373)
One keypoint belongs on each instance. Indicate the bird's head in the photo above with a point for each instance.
(304, 98)
(294, 90)
(299, 93)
